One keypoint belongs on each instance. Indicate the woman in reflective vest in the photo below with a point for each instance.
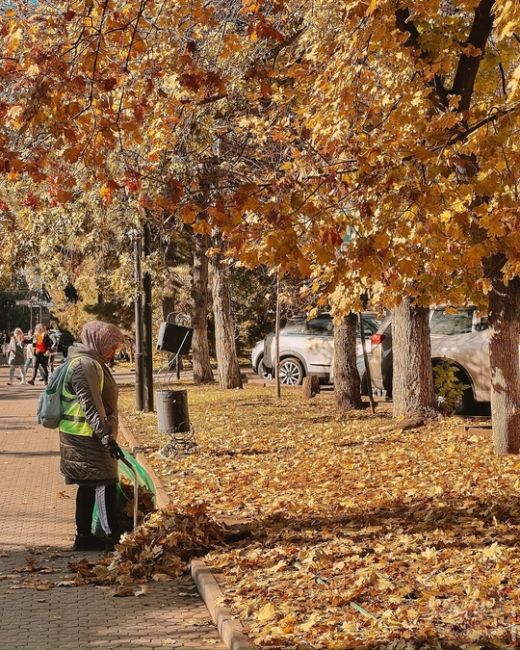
(88, 433)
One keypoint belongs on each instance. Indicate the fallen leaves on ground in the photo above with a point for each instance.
(146, 503)
(364, 535)
(33, 583)
(158, 550)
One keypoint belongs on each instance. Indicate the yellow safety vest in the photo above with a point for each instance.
(73, 419)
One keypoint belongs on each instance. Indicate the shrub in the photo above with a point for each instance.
(449, 386)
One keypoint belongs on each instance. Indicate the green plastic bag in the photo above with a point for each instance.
(125, 489)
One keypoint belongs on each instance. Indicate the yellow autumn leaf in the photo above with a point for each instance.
(372, 7)
(266, 613)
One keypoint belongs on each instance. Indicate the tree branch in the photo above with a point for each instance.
(468, 66)
(460, 137)
(407, 26)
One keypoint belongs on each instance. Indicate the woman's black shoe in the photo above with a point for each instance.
(110, 544)
(88, 543)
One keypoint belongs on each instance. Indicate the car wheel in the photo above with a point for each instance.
(263, 371)
(291, 372)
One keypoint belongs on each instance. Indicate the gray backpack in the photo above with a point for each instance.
(49, 404)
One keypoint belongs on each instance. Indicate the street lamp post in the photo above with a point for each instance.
(139, 384)
(148, 332)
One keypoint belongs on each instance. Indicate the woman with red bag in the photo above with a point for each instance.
(42, 349)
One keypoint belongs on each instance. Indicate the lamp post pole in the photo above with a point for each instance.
(139, 383)
(277, 340)
(148, 333)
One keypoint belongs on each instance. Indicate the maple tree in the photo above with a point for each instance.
(119, 103)
(402, 120)
(285, 124)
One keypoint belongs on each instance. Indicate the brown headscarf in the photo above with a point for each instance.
(101, 337)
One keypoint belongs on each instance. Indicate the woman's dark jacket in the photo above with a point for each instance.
(84, 459)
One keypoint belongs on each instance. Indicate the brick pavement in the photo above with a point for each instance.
(36, 531)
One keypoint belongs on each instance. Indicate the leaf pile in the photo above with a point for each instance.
(146, 503)
(365, 535)
(158, 550)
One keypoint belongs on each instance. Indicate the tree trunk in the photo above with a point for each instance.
(225, 344)
(412, 373)
(202, 372)
(168, 306)
(347, 386)
(504, 333)
(311, 386)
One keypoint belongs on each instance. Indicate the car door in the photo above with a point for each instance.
(317, 344)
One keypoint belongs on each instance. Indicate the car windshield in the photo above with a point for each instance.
(294, 326)
(370, 326)
(323, 325)
(446, 323)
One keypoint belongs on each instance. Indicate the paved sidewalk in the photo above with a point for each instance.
(36, 531)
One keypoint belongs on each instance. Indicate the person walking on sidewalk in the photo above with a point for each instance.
(88, 433)
(2, 341)
(29, 352)
(16, 356)
(42, 347)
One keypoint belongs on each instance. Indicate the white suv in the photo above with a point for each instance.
(307, 348)
(460, 336)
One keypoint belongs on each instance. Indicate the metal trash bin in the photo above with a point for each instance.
(173, 419)
(172, 411)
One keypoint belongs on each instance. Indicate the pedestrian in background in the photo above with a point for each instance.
(42, 347)
(16, 356)
(88, 433)
(55, 338)
(5, 343)
(29, 352)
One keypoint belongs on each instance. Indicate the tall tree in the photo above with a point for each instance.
(504, 338)
(225, 341)
(396, 121)
(412, 367)
(407, 117)
(202, 372)
(347, 387)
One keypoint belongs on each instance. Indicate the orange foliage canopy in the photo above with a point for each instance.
(287, 125)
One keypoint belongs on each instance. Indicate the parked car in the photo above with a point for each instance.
(307, 347)
(459, 336)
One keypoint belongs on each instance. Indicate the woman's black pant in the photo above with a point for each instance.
(104, 496)
(43, 361)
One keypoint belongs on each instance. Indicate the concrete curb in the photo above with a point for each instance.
(230, 629)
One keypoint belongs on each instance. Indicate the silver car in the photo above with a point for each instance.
(307, 348)
(460, 336)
